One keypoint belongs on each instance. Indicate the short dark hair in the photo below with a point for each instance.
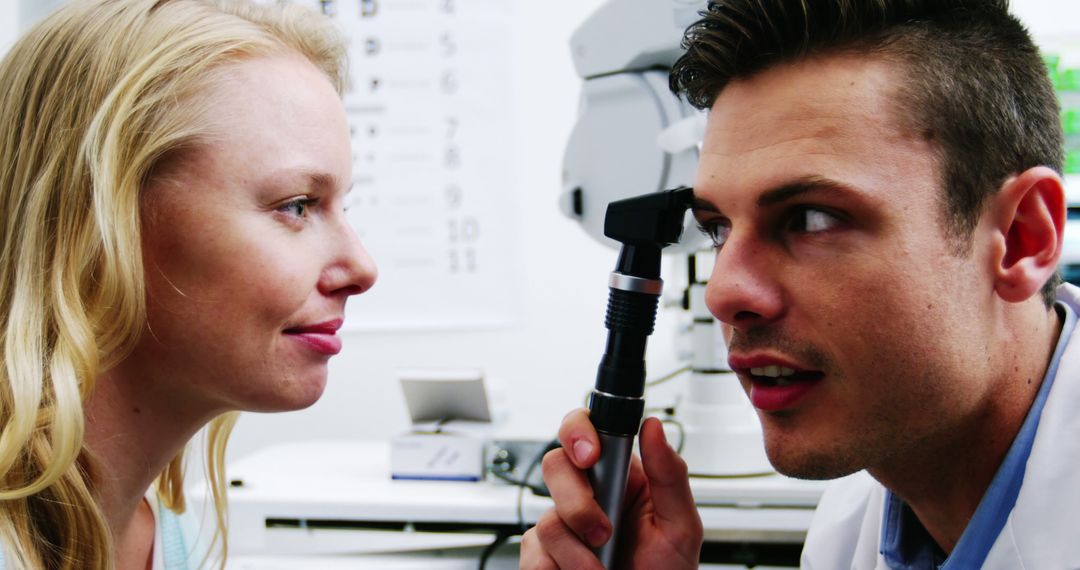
(976, 85)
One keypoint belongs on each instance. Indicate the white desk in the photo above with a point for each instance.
(337, 499)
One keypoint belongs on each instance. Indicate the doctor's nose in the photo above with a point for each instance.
(741, 291)
(352, 270)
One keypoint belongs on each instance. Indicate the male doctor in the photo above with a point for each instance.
(881, 181)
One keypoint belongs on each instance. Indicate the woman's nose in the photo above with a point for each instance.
(352, 270)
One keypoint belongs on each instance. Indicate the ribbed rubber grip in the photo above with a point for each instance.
(631, 311)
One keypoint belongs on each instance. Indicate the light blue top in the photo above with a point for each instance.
(173, 543)
(169, 535)
(905, 543)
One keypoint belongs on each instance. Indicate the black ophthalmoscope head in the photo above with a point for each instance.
(645, 225)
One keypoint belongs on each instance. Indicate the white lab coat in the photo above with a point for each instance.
(1043, 530)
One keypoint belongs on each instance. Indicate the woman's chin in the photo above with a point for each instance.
(293, 397)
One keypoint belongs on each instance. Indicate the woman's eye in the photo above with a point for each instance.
(296, 207)
(717, 232)
(810, 220)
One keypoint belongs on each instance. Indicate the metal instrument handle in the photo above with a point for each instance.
(608, 478)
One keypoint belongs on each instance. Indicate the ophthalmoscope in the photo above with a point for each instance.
(644, 225)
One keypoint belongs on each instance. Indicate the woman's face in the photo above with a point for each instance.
(249, 258)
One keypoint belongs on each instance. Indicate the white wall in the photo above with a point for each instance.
(1049, 19)
(9, 24)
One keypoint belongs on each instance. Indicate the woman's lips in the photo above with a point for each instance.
(323, 343)
(320, 337)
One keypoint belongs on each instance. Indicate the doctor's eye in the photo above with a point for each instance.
(297, 207)
(811, 220)
(716, 231)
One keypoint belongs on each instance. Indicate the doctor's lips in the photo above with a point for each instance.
(775, 384)
(320, 337)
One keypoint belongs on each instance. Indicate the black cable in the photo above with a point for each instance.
(502, 476)
(501, 538)
(504, 535)
(502, 472)
(439, 424)
(521, 500)
(667, 377)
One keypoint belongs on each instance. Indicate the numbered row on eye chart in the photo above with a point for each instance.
(364, 11)
(461, 234)
(457, 246)
(438, 43)
(384, 81)
(410, 149)
(429, 117)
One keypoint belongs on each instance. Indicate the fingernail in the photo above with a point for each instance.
(597, 536)
(582, 449)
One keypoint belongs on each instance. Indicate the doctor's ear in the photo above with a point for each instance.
(1028, 217)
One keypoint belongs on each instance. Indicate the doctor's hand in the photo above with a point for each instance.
(660, 527)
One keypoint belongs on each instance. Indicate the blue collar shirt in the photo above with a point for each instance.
(905, 543)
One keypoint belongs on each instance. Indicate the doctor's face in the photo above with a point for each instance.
(834, 271)
(248, 254)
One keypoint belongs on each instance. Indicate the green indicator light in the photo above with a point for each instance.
(1072, 162)
(1070, 121)
(1052, 61)
(1068, 80)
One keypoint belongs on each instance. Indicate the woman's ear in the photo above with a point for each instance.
(1029, 215)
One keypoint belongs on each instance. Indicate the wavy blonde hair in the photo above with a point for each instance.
(91, 100)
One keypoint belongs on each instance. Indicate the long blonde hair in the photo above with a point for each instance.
(91, 100)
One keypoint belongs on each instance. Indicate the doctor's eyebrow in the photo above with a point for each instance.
(788, 191)
(702, 205)
(792, 190)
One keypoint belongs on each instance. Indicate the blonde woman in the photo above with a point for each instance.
(174, 249)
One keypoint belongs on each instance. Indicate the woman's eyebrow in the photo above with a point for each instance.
(311, 180)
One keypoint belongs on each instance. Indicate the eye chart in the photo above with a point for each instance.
(432, 200)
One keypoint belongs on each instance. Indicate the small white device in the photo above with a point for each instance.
(451, 421)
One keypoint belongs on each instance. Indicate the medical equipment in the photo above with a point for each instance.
(452, 421)
(644, 226)
(633, 136)
(623, 51)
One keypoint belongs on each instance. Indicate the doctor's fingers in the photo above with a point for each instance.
(578, 437)
(574, 501)
(533, 556)
(555, 546)
(669, 489)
